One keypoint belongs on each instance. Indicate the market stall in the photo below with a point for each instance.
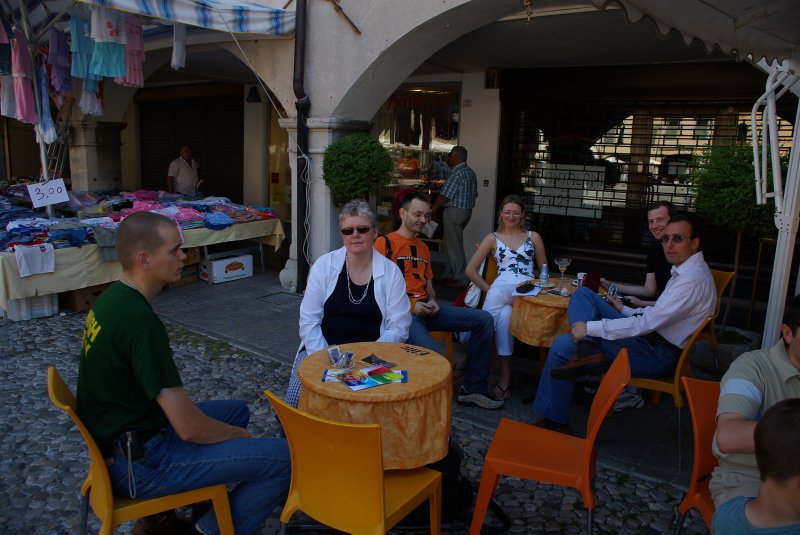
(81, 267)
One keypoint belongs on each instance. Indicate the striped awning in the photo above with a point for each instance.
(236, 16)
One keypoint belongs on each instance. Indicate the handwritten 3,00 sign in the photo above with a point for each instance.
(47, 193)
(567, 189)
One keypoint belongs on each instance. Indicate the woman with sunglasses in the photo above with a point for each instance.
(354, 294)
(516, 251)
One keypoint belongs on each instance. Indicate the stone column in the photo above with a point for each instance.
(94, 155)
(323, 235)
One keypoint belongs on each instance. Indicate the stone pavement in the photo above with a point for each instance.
(235, 340)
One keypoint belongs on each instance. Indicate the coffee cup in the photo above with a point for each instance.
(581, 276)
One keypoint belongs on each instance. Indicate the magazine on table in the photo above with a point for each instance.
(359, 379)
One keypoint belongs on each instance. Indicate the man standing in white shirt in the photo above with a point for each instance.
(654, 336)
(182, 174)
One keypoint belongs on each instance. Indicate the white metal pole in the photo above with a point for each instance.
(787, 232)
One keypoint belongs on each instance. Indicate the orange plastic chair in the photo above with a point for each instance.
(338, 477)
(528, 452)
(703, 397)
(447, 338)
(114, 510)
(721, 280)
(672, 384)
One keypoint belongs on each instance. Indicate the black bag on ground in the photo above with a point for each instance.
(457, 492)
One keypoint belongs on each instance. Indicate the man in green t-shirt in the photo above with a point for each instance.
(131, 397)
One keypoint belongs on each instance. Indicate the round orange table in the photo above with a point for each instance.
(414, 416)
(538, 320)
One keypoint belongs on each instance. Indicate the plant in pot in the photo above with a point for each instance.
(725, 195)
(355, 166)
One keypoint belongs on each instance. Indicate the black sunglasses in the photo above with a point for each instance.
(676, 238)
(348, 231)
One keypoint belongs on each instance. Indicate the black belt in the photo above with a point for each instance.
(132, 441)
(654, 339)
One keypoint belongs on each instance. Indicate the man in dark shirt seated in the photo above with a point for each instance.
(130, 395)
(658, 269)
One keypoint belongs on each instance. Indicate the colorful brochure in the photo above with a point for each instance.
(359, 379)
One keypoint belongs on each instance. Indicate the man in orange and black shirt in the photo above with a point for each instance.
(414, 260)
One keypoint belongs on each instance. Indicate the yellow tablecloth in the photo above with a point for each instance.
(76, 267)
(269, 232)
(414, 416)
(538, 320)
(79, 267)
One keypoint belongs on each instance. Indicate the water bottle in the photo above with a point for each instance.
(544, 276)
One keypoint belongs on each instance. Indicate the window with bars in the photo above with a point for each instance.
(592, 182)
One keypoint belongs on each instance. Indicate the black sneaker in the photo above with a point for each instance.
(167, 523)
(484, 401)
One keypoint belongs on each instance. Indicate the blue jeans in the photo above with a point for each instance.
(478, 323)
(260, 467)
(454, 220)
(553, 396)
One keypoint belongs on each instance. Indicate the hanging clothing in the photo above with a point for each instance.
(5, 49)
(8, 106)
(134, 53)
(110, 36)
(179, 46)
(45, 130)
(91, 102)
(82, 45)
(22, 71)
(58, 59)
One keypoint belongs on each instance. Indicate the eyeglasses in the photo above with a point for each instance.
(348, 231)
(676, 238)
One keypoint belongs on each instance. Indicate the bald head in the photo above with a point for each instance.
(141, 231)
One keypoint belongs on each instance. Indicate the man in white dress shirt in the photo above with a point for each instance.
(654, 336)
(182, 173)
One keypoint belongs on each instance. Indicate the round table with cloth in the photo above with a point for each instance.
(414, 416)
(538, 320)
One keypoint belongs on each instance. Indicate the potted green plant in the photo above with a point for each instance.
(724, 190)
(355, 166)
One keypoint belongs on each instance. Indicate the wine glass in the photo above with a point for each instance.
(563, 263)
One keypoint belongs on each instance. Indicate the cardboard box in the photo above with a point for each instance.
(82, 299)
(227, 269)
(192, 256)
(28, 308)
(188, 276)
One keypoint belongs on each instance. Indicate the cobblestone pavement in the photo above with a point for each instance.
(43, 460)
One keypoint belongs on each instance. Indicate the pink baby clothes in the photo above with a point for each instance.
(134, 54)
(22, 71)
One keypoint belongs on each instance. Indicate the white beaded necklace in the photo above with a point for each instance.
(349, 292)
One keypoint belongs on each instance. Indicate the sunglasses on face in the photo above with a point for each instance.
(348, 231)
(676, 238)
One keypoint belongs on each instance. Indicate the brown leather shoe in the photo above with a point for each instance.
(578, 367)
(564, 429)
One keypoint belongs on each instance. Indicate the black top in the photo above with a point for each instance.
(657, 263)
(344, 322)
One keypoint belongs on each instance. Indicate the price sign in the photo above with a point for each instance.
(47, 193)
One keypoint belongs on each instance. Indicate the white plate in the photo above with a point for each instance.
(548, 285)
